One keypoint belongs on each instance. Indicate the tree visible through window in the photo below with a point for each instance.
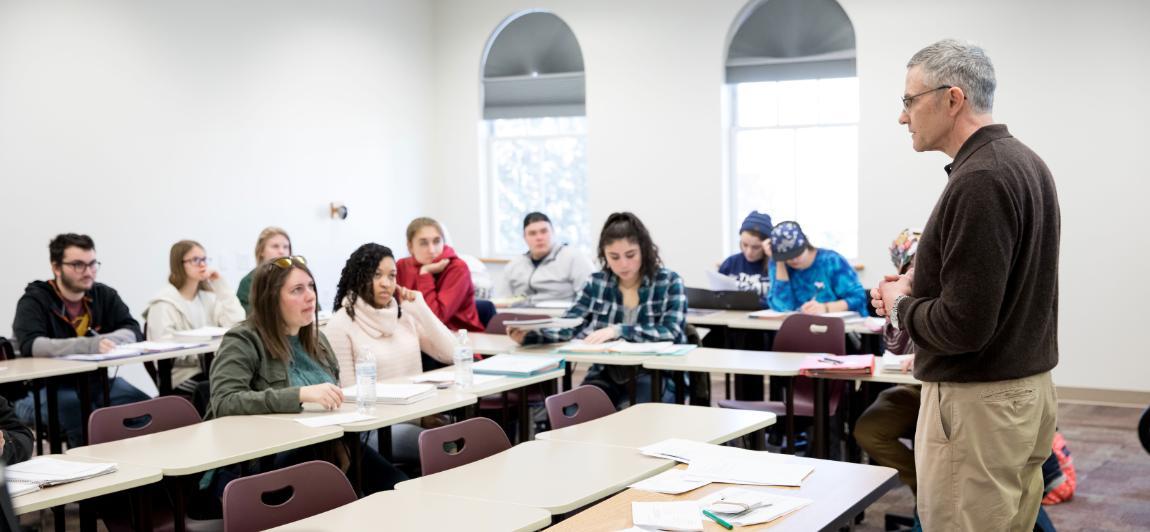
(538, 164)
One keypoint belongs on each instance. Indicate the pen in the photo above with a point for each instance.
(716, 519)
(831, 360)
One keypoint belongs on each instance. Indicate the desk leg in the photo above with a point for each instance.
(819, 440)
(84, 392)
(524, 414)
(570, 370)
(355, 456)
(102, 374)
(164, 370)
(58, 523)
(727, 385)
(179, 504)
(87, 517)
(790, 404)
(632, 388)
(680, 387)
(55, 444)
(38, 420)
(143, 496)
(383, 438)
(656, 385)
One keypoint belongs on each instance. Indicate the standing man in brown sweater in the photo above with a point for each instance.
(983, 311)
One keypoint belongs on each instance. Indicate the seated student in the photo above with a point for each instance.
(195, 296)
(15, 436)
(547, 271)
(272, 243)
(436, 271)
(373, 314)
(749, 266)
(809, 279)
(73, 314)
(632, 298)
(278, 360)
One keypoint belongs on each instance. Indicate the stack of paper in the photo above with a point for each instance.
(552, 304)
(893, 362)
(622, 347)
(678, 449)
(716, 463)
(769, 314)
(719, 282)
(333, 419)
(47, 471)
(16, 488)
(821, 365)
(683, 515)
(543, 323)
(133, 349)
(202, 334)
(744, 507)
(394, 394)
(671, 482)
(446, 378)
(517, 365)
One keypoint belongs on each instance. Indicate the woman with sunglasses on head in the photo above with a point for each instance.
(195, 296)
(272, 243)
(278, 360)
(436, 271)
(632, 298)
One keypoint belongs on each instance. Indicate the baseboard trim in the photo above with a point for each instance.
(1100, 396)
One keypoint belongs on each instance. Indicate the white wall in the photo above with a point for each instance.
(1071, 85)
(141, 123)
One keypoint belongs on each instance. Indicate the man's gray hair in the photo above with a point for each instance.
(958, 64)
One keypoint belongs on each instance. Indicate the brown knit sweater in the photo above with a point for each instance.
(985, 297)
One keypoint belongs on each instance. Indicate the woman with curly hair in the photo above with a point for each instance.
(374, 314)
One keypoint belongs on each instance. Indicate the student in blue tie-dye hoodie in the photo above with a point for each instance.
(809, 279)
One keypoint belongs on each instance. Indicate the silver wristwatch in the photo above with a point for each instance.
(894, 311)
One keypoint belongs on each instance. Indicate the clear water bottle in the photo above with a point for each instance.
(365, 369)
(463, 360)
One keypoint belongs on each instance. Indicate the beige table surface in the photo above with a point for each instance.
(492, 344)
(738, 361)
(387, 415)
(207, 347)
(126, 476)
(29, 368)
(403, 511)
(647, 423)
(208, 445)
(554, 476)
(496, 384)
(840, 490)
(737, 319)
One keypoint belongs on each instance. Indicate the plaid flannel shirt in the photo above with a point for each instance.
(662, 310)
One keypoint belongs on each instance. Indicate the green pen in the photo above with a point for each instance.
(716, 519)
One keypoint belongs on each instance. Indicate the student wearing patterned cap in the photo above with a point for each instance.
(808, 279)
(749, 266)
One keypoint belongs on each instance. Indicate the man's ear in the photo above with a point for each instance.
(955, 101)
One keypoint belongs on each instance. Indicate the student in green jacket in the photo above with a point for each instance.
(278, 360)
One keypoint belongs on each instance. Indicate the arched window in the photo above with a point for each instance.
(794, 118)
(534, 124)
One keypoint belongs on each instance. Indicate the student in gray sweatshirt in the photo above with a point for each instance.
(547, 271)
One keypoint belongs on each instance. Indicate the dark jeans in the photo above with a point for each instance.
(610, 379)
(121, 393)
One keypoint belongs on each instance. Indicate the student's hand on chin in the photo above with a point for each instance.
(605, 334)
(435, 267)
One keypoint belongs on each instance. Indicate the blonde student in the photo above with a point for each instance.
(195, 296)
(273, 242)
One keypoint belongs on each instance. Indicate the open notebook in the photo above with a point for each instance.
(45, 471)
(517, 365)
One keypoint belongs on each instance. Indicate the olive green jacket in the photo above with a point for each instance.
(246, 381)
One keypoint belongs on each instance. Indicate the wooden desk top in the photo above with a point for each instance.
(418, 512)
(30, 368)
(735, 361)
(840, 490)
(647, 423)
(554, 476)
(388, 415)
(126, 476)
(208, 445)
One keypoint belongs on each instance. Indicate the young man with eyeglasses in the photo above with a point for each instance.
(73, 314)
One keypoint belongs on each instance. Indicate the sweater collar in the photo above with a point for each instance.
(376, 322)
(980, 138)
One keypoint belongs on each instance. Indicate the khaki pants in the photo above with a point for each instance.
(979, 449)
(892, 416)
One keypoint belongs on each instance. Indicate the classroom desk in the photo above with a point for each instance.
(648, 423)
(840, 490)
(404, 511)
(164, 361)
(207, 445)
(551, 475)
(50, 369)
(126, 477)
(737, 319)
(553, 312)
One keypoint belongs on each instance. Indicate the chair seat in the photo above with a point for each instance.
(803, 408)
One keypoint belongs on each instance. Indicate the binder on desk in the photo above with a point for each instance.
(517, 365)
(45, 471)
(824, 365)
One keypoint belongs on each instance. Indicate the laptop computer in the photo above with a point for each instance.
(723, 300)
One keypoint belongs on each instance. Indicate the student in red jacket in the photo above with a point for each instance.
(444, 279)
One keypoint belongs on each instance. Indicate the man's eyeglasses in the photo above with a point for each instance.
(286, 262)
(81, 267)
(906, 100)
(199, 261)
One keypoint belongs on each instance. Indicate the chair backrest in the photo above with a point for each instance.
(806, 333)
(136, 419)
(495, 326)
(460, 443)
(590, 402)
(266, 500)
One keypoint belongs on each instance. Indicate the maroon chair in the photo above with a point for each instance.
(113, 423)
(460, 443)
(495, 326)
(590, 402)
(267, 500)
(803, 333)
